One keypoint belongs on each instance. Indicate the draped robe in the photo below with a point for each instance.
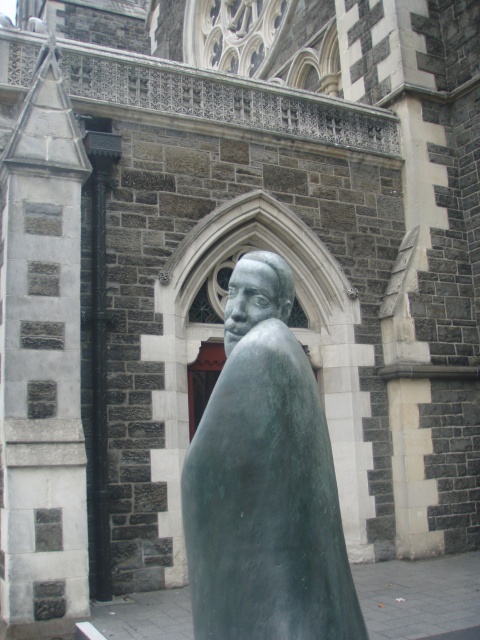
(265, 547)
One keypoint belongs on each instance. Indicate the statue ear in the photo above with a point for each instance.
(285, 310)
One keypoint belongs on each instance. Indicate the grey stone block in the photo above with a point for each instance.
(338, 216)
(150, 579)
(160, 547)
(126, 555)
(54, 589)
(42, 335)
(49, 608)
(143, 532)
(234, 151)
(41, 399)
(43, 219)
(48, 537)
(365, 177)
(43, 279)
(185, 161)
(285, 179)
(151, 497)
(430, 64)
(172, 205)
(48, 530)
(147, 181)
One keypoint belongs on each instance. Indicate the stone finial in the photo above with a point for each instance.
(46, 134)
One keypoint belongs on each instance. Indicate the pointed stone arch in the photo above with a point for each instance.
(333, 310)
(329, 62)
(302, 64)
(325, 63)
(259, 219)
(329, 54)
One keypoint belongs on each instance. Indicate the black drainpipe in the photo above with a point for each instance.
(104, 150)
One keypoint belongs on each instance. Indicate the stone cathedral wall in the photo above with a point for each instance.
(167, 181)
(116, 29)
(171, 177)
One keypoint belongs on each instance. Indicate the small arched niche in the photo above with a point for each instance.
(318, 71)
(329, 62)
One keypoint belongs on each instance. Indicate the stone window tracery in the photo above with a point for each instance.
(233, 36)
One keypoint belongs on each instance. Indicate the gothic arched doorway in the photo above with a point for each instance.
(190, 318)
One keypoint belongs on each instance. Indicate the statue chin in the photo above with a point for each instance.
(230, 342)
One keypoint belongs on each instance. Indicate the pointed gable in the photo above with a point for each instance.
(46, 132)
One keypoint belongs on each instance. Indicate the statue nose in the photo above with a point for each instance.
(239, 309)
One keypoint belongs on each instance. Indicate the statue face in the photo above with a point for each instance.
(253, 296)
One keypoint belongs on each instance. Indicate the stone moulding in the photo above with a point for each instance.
(141, 82)
(401, 370)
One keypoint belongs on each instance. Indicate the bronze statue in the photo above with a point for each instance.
(265, 546)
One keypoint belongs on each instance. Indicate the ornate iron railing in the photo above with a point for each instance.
(140, 82)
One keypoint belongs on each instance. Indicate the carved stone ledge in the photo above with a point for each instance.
(396, 371)
(101, 75)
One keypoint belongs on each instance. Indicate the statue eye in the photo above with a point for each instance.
(261, 301)
(231, 292)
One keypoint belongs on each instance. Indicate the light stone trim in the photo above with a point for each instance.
(155, 46)
(412, 493)
(136, 81)
(52, 15)
(401, 64)
(348, 55)
(48, 565)
(47, 431)
(420, 176)
(35, 454)
(29, 489)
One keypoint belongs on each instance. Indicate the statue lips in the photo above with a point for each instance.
(234, 331)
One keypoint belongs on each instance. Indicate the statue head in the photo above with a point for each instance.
(261, 287)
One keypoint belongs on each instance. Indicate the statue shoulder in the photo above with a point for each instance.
(270, 336)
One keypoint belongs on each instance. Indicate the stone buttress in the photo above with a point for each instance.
(44, 581)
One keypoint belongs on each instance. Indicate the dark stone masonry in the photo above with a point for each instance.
(42, 335)
(453, 417)
(43, 219)
(166, 182)
(389, 313)
(41, 399)
(43, 279)
(446, 313)
(49, 600)
(48, 530)
(104, 28)
(366, 66)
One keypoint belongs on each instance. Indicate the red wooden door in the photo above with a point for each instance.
(202, 377)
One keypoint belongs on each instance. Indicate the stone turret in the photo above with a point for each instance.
(44, 541)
